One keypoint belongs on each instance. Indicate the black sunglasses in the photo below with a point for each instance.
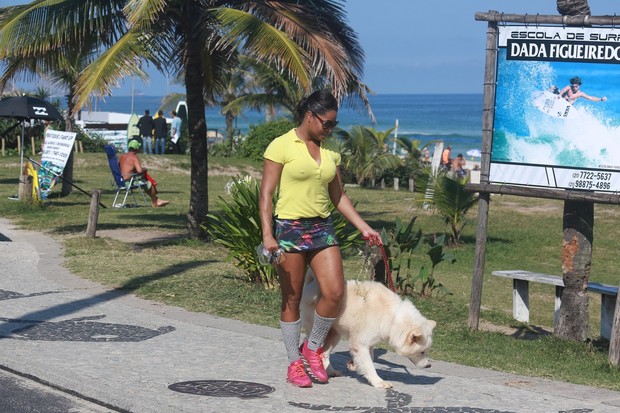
(326, 124)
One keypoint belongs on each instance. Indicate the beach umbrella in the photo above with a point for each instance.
(26, 108)
(474, 153)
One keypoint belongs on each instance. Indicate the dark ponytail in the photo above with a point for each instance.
(319, 102)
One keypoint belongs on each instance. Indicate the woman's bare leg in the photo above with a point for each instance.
(327, 267)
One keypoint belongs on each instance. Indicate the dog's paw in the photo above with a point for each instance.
(331, 372)
(351, 366)
(383, 384)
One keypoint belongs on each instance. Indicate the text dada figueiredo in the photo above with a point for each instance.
(591, 47)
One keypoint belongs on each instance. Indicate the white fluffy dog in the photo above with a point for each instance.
(370, 314)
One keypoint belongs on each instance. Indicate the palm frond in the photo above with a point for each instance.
(264, 41)
(121, 60)
(267, 88)
(143, 13)
(336, 58)
(453, 202)
(42, 26)
(320, 28)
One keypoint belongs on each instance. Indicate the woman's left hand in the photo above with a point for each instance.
(372, 237)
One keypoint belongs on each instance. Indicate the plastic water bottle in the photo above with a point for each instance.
(266, 257)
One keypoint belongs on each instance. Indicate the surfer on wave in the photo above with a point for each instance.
(571, 92)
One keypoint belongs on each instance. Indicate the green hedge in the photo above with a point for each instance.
(260, 136)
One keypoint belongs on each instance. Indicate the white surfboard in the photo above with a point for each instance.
(553, 105)
(132, 129)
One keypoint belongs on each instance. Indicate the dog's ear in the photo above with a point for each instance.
(415, 336)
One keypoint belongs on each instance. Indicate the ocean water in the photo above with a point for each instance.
(455, 119)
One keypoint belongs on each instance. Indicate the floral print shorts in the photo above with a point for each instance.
(305, 234)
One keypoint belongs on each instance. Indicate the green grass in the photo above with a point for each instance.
(524, 233)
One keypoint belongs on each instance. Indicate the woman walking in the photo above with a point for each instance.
(308, 177)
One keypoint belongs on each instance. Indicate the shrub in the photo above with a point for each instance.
(403, 173)
(426, 276)
(449, 197)
(238, 228)
(399, 244)
(92, 143)
(260, 136)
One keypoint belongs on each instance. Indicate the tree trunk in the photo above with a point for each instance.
(67, 176)
(573, 320)
(573, 7)
(67, 173)
(230, 131)
(197, 125)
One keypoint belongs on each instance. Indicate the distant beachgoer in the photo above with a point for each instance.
(458, 164)
(145, 125)
(175, 132)
(426, 155)
(445, 158)
(572, 92)
(48, 126)
(161, 129)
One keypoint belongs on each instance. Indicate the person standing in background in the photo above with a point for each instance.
(175, 132)
(458, 164)
(426, 156)
(161, 129)
(145, 125)
(446, 161)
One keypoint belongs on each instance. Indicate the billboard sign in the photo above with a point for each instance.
(557, 108)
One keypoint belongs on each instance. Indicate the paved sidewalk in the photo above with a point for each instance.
(132, 355)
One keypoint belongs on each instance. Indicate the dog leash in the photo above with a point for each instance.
(377, 242)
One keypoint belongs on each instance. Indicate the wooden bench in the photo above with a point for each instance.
(520, 296)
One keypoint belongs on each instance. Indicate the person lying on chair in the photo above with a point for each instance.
(130, 164)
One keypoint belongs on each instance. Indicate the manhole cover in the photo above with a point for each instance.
(223, 388)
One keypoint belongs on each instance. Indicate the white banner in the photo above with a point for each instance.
(57, 147)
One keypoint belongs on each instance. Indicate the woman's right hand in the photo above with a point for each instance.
(270, 244)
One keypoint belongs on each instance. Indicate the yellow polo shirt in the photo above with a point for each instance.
(303, 191)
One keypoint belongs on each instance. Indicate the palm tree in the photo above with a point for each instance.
(169, 102)
(578, 237)
(198, 39)
(573, 7)
(365, 152)
(448, 197)
(453, 202)
(270, 89)
(60, 63)
(238, 82)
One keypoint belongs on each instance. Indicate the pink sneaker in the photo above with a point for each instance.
(297, 376)
(313, 363)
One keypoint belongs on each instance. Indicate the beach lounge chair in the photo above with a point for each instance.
(123, 187)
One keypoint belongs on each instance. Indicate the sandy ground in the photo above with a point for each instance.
(139, 237)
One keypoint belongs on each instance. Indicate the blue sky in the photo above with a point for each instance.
(407, 50)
